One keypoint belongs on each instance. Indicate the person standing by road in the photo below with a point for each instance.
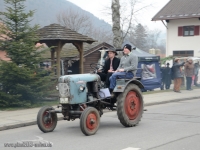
(189, 72)
(196, 72)
(177, 74)
(167, 78)
(162, 70)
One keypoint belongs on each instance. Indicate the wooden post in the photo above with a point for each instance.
(79, 46)
(81, 58)
(52, 57)
(58, 49)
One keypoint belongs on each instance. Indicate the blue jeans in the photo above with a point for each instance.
(119, 75)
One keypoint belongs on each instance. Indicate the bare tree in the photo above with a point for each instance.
(117, 40)
(82, 23)
(153, 37)
(126, 15)
(102, 35)
(75, 20)
(162, 46)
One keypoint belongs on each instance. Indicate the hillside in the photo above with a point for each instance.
(46, 11)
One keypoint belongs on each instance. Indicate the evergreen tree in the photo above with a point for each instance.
(140, 37)
(23, 81)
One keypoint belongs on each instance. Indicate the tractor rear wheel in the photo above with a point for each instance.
(130, 106)
(89, 121)
(46, 121)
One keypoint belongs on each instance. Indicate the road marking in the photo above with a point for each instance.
(131, 148)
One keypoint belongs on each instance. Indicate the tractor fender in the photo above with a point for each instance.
(121, 86)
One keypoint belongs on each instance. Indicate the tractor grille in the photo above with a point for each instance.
(63, 90)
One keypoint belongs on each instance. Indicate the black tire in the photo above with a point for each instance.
(44, 123)
(88, 115)
(130, 106)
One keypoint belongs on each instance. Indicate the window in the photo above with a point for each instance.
(148, 71)
(188, 30)
(183, 53)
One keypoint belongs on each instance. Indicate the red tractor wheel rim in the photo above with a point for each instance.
(91, 121)
(132, 105)
(46, 121)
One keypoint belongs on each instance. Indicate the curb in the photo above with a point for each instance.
(169, 101)
(24, 124)
(12, 126)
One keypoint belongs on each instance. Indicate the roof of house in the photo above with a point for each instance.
(58, 32)
(178, 9)
(70, 51)
(98, 46)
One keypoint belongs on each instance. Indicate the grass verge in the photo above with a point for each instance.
(40, 104)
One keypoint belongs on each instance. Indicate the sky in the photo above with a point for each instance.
(98, 7)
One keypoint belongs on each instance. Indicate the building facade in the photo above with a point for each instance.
(182, 21)
(183, 38)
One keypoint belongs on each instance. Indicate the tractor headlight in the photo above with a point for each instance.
(64, 90)
(81, 88)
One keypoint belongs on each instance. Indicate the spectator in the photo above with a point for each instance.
(196, 72)
(162, 69)
(177, 74)
(167, 77)
(189, 72)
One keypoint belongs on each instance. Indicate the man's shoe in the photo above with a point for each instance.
(190, 89)
(112, 95)
(111, 90)
(177, 91)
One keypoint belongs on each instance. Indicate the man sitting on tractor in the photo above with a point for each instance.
(127, 67)
(110, 66)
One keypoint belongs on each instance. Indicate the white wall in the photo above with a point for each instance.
(175, 42)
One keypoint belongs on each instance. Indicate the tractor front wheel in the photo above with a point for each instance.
(130, 106)
(46, 121)
(89, 121)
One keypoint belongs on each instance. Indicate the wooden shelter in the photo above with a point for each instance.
(92, 55)
(57, 35)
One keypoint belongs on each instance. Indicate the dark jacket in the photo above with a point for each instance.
(115, 64)
(167, 75)
(162, 70)
(176, 69)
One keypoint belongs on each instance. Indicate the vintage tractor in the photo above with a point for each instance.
(84, 96)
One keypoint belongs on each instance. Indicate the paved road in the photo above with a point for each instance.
(169, 126)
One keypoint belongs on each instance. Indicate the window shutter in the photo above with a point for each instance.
(196, 30)
(180, 31)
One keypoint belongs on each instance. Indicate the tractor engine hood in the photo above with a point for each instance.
(73, 88)
(79, 78)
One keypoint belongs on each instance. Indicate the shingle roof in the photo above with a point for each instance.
(58, 32)
(177, 9)
(70, 51)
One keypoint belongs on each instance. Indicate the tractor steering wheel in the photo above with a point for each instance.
(95, 66)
